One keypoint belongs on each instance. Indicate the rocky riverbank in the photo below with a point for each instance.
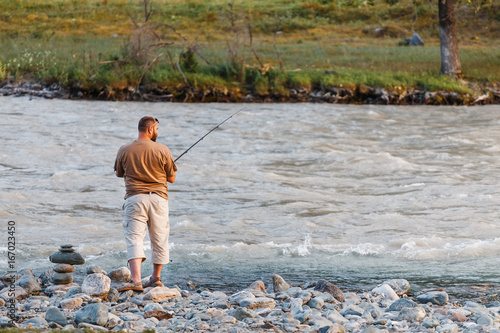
(27, 301)
(360, 94)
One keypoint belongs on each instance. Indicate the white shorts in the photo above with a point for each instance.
(146, 211)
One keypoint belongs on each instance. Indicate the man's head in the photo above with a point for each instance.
(148, 126)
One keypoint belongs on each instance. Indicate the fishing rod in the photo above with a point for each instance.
(213, 129)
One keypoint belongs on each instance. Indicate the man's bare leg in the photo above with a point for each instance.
(156, 270)
(135, 269)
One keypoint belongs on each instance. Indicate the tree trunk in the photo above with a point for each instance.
(450, 62)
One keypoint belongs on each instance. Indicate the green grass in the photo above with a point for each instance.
(86, 44)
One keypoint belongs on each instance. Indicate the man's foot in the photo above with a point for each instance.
(153, 282)
(131, 286)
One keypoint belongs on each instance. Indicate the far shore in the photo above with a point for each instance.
(360, 94)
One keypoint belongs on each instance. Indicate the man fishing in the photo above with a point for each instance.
(146, 167)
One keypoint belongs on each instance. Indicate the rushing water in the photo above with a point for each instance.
(352, 194)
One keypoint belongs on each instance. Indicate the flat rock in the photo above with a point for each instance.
(59, 287)
(64, 268)
(71, 303)
(160, 294)
(257, 303)
(158, 314)
(96, 284)
(95, 314)
(328, 287)
(61, 278)
(35, 322)
(434, 297)
(73, 258)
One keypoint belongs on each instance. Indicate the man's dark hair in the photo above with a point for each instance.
(146, 122)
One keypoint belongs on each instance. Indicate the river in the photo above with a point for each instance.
(349, 193)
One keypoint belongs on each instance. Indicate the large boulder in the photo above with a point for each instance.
(328, 287)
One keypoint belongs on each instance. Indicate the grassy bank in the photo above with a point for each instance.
(110, 48)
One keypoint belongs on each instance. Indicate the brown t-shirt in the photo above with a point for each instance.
(145, 166)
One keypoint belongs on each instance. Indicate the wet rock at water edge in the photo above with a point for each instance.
(434, 297)
(121, 274)
(279, 284)
(328, 287)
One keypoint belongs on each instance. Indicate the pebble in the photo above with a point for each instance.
(253, 309)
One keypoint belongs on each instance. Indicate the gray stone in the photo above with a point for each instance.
(373, 310)
(484, 320)
(57, 288)
(431, 323)
(73, 258)
(402, 303)
(44, 278)
(95, 313)
(64, 268)
(386, 292)
(92, 327)
(416, 40)
(96, 284)
(121, 274)
(237, 297)
(94, 269)
(412, 314)
(279, 284)
(328, 287)
(113, 295)
(335, 328)
(400, 286)
(73, 291)
(434, 297)
(30, 284)
(113, 320)
(241, 313)
(26, 271)
(448, 328)
(19, 293)
(316, 303)
(258, 302)
(55, 315)
(61, 278)
(35, 322)
(153, 307)
(303, 315)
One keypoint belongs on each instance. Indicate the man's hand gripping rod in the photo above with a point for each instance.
(213, 129)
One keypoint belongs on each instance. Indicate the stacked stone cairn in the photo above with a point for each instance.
(65, 258)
